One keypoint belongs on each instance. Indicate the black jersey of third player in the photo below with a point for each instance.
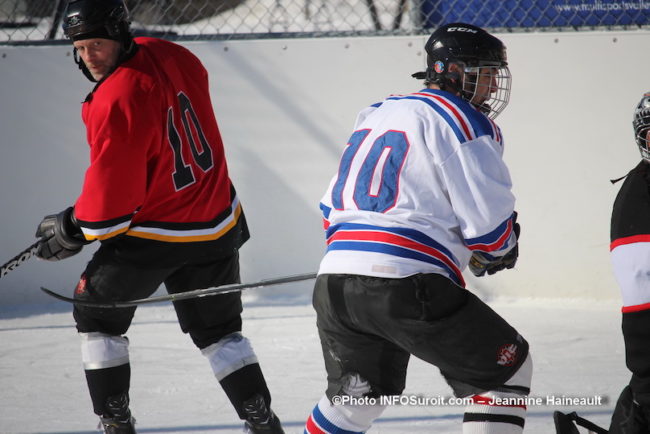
(630, 239)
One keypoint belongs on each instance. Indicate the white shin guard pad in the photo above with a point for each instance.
(231, 353)
(100, 351)
(500, 411)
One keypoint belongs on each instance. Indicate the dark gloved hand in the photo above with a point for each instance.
(481, 262)
(60, 235)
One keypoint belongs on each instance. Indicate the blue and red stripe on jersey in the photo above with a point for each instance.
(495, 240)
(326, 215)
(401, 242)
(465, 120)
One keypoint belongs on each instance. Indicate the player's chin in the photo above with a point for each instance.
(478, 102)
(97, 75)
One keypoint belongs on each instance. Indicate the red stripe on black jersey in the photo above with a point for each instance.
(644, 238)
(637, 308)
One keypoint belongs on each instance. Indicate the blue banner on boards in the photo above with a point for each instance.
(536, 13)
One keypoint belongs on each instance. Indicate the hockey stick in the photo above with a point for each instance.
(56, 19)
(401, 8)
(564, 424)
(373, 14)
(18, 259)
(197, 293)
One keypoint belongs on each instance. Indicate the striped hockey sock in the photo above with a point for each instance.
(501, 411)
(495, 413)
(341, 419)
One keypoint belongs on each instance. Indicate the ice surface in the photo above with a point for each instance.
(576, 345)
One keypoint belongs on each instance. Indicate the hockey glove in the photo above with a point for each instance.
(60, 235)
(481, 262)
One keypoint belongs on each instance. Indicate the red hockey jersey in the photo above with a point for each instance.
(157, 164)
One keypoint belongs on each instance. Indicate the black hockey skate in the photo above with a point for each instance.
(260, 419)
(112, 425)
(119, 421)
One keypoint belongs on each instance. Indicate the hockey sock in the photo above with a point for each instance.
(108, 372)
(244, 384)
(503, 410)
(327, 418)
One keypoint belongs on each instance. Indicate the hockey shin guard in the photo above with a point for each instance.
(503, 410)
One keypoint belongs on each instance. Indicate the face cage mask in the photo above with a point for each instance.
(641, 124)
(642, 141)
(487, 88)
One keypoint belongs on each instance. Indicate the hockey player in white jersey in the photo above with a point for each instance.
(422, 192)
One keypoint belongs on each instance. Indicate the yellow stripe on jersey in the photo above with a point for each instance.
(104, 235)
(190, 235)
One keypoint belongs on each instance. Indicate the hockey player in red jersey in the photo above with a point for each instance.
(422, 192)
(158, 197)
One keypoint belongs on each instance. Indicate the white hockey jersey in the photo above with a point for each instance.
(421, 184)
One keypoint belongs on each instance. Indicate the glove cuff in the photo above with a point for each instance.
(69, 232)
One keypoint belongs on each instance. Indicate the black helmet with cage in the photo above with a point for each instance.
(476, 53)
(641, 124)
(107, 19)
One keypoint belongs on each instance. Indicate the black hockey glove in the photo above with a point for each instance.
(481, 263)
(60, 236)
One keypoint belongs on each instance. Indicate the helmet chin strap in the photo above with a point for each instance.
(80, 63)
(483, 108)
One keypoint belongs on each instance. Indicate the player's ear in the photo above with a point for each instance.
(454, 72)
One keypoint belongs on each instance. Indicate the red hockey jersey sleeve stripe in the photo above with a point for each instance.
(636, 308)
(642, 238)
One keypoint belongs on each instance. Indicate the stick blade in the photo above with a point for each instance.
(87, 303)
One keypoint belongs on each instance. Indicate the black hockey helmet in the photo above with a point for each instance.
(641, 124)
(85, 19)
(472, 48)
(108, 19)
